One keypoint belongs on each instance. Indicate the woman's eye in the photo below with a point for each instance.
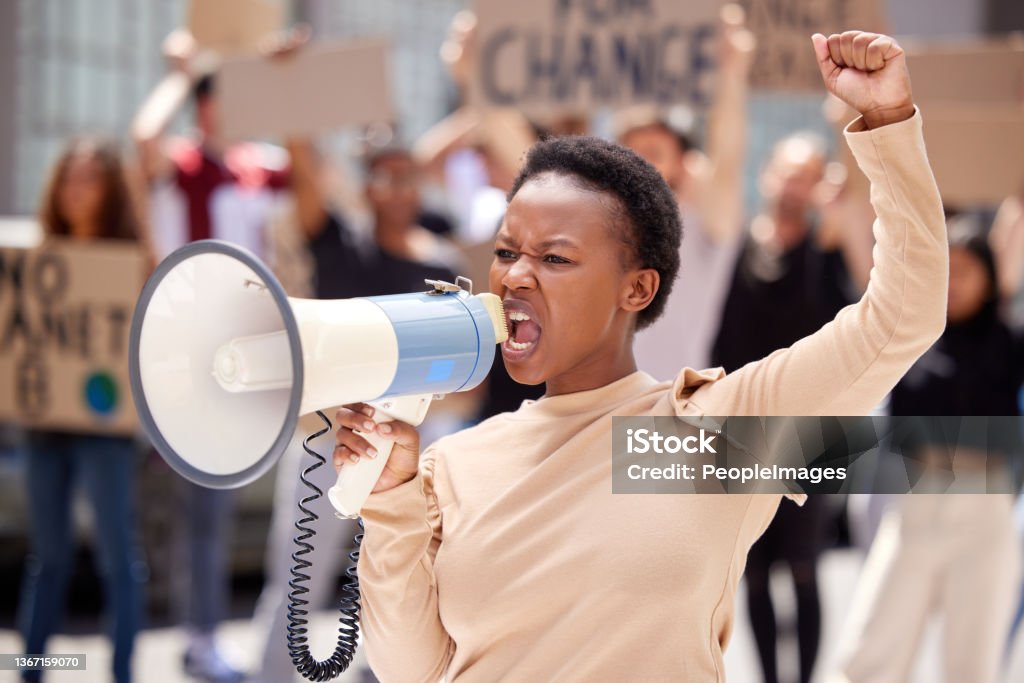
(553, 258)
(504, 253)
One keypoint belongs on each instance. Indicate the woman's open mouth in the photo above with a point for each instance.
(523, 333)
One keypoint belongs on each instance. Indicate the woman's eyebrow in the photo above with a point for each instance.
(503, 239)
(557, 242)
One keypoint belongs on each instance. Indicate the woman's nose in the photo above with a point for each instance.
(520, 275)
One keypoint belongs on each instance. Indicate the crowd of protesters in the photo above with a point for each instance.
(766, 280)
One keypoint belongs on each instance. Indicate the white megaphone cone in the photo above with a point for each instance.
(222, 363)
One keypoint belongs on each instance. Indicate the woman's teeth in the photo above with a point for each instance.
(523, 331)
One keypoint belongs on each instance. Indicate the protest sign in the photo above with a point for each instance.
(318, 89)
(784, 59)
(988, 72)
(65, 314)
(971, 95)
(231, 27)
(976, 153)
(551, 55)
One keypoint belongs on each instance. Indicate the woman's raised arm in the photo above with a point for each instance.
(851, 363)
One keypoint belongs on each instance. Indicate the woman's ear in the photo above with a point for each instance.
(641, 287)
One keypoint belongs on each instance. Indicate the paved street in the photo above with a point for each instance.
(159, 649)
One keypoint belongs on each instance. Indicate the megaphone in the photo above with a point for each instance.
(222, 363)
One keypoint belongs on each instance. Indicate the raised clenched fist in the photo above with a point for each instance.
(869, 72)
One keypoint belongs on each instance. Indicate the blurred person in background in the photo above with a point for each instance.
(1007, 240)
(710, 192)
(87, 200)
(397, 255)
(783, 282)
(784, 286)
(394, 258)
(475, 152)
(202, 187)
(954, 555)
(476, 155)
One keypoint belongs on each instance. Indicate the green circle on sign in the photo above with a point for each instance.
(101, 393)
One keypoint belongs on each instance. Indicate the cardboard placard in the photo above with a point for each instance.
(977, 71)
(784, 59)
(570, 55)
(65, 315)
(971, 95)
(977, 153)
(232, 27)
(319, 89)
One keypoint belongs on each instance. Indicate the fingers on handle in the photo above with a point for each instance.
(355, 443)
(343, 455)
(355, 416)
(364, 408)
(351, 447)
(402, 433)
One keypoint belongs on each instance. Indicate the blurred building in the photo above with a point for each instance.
(423, 93)
(69, 67)
(83, 66)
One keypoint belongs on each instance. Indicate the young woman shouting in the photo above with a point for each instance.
(500, 552)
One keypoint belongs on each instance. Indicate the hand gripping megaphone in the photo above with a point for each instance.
(222, 363)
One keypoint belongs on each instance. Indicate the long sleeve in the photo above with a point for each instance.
(404, 637)
(851, 363)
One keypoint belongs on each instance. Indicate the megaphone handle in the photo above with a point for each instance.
(356, 480)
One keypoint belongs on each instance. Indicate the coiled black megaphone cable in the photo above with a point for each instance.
(348, 632)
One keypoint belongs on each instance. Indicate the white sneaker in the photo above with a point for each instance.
(202, 660)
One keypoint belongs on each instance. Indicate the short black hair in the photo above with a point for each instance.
(647, 208)
(373, 155)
